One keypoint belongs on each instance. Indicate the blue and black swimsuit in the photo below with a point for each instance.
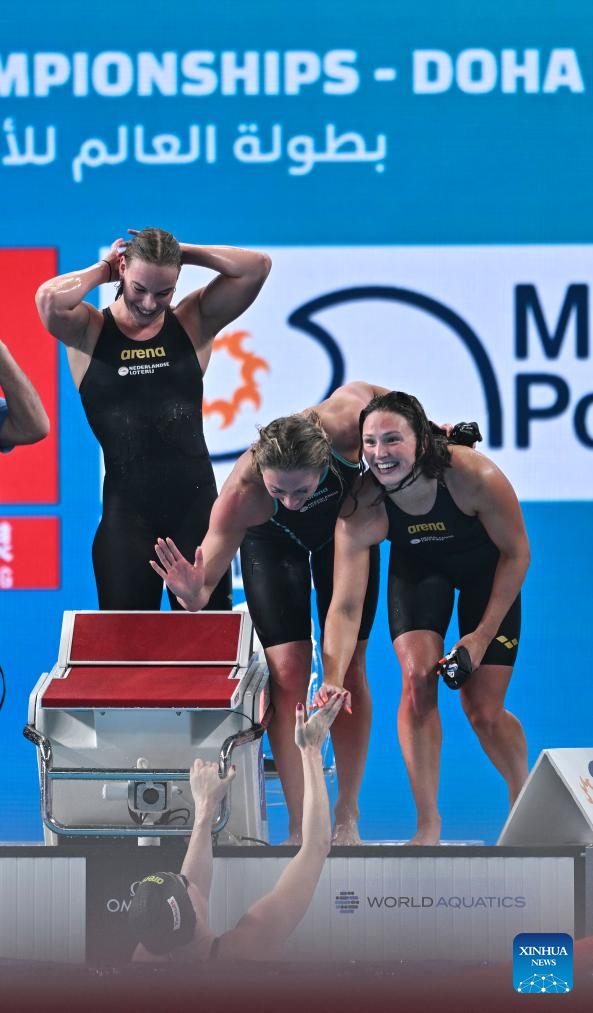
(279, 558)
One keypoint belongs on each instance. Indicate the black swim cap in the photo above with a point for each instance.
(162, 916)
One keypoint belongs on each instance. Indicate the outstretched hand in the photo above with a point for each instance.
(184, 580)
(311, 735)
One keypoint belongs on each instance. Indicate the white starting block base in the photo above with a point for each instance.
(372, 903)
(556, 803)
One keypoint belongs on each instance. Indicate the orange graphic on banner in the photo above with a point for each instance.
(29, 553)
(249, 390)
(30, 474)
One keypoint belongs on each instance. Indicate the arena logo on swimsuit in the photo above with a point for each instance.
(143, 353)
(413, 529)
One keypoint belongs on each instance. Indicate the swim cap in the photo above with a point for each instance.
(162, 916)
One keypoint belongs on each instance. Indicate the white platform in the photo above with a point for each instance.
(373, 903)
(556, 804)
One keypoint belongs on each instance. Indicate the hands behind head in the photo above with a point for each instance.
(207, 787)
(117, 249)
(311, 735)
(113, 258)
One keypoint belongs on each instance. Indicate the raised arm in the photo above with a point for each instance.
(27, 420)
(208, 790)
(477, 483)
(240, 276)
(60, 300)
(263, 930)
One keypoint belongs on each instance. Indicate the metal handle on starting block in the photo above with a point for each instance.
(224, 761)
(49, 774)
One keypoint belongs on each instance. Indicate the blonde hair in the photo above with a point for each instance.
(295, 441)
(154, 246)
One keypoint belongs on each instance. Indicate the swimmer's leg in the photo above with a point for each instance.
(350, 737)
(290, 667)
(420, 604)
(419, 726)
(122, 546)
(500, 733)
(277, 582)
(350, 732)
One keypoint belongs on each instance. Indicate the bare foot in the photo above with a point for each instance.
(428, 833)
(294, 840)
(346, 832)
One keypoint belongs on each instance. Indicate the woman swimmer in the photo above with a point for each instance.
(138, 366)
(280, 504)
(453, 521)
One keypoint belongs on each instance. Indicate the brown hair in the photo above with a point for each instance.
(295, 441)
(432, 452)
(155, 246)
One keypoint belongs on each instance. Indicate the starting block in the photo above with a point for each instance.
(132, 700)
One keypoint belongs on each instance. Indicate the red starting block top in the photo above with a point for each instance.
(142, 686)
(145, 637)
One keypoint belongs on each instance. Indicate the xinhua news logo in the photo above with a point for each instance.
(542, 962)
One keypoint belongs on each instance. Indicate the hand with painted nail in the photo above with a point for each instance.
(311, 735)
(327, 690)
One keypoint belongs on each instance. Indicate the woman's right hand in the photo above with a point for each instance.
(327, 690)
(113, 257)
(208, 788)
(184, 580)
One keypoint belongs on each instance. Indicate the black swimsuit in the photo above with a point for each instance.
(143, 401)
(433, 554)
(279, 557)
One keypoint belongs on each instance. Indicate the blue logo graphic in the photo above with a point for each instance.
(347, 902)
(302, 318)
(542, 962)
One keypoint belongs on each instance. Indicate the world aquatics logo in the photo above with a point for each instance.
(347, 902)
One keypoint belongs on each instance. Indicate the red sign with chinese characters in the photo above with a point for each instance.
(29, 553)
(30, 474)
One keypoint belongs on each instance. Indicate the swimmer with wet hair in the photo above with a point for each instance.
(454, 522)
(139, 366)
(280, 505)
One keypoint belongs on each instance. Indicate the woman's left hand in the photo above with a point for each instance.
(476, 644)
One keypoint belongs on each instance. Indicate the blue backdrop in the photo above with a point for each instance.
(373, 129)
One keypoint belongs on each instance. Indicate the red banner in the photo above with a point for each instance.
(30, 474)
(29, 553)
